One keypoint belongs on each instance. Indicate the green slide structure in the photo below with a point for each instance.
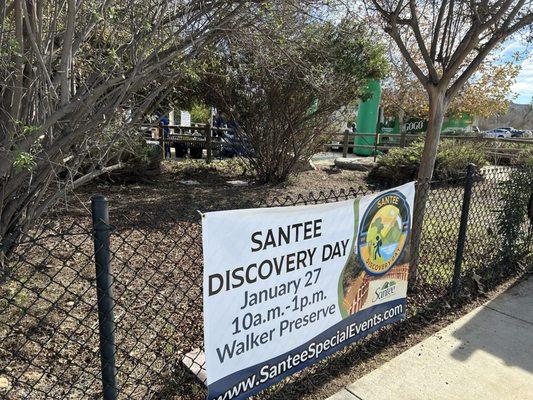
(367, 119)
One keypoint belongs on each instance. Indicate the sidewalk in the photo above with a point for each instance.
(487, 354)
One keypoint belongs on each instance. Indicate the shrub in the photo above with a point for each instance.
(140, 161)
(510, 153)
(512, 218)
(401, 165)
(453, 157)
(280, 95)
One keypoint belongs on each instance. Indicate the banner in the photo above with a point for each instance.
(286, 287)
(185, 118)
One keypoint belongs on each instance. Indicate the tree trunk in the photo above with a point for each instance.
(19, 65)
(437, 108)
(66, 56)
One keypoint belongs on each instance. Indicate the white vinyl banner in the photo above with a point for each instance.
(285, 287)
(185, 118)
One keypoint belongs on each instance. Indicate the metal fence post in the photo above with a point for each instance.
(461, 239)
(104, 288)
(161, 140)
(208, 143)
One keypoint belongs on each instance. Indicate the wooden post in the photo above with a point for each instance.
(208, 143)
(345, 144)
(160, 134)
(376, 140)
(403, 131)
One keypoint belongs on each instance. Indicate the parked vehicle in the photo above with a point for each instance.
(497, 133)
(336, 145)
(514, 132)
(518, 133)
(232, 146)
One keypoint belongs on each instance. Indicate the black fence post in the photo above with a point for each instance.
(208, 143)
(104, 288)
(461, 239)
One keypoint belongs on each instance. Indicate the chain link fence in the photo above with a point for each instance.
(51, 328)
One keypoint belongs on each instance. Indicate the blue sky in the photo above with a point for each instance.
(523, 86)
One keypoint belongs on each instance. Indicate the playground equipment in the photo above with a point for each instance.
(367, 120)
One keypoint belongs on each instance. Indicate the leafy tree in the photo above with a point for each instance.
(200, 113)
(69, 68)
(485, 94)
(488, 92)
(452, 40)
(283, 79)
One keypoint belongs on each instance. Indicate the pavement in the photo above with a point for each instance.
(329, 157)
(350, 162)
(487, 354)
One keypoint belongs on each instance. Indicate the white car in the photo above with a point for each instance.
(497, 133)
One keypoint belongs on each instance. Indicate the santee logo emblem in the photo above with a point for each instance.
(387, 290)
(383, 232)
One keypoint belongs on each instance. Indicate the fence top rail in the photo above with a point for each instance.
(199, 126)
(414, 136)
(352, 135)
(186, 127)
(183, 138)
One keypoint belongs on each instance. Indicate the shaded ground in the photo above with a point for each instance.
(213, 191)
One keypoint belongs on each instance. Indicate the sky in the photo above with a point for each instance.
(523, 86)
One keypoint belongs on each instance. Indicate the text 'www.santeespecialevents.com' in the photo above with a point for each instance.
(312, 352)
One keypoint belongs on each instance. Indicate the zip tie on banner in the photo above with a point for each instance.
(201, 214)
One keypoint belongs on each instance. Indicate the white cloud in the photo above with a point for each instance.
(509, 49)
(524, 82)
(523, 86)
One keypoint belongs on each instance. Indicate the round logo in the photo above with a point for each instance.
(383, 232)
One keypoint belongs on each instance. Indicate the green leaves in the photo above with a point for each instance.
(24, 129)
(112, 12)
(512, 222)
(401, 165)
(23, 161)
(27, 129)
(113, 58)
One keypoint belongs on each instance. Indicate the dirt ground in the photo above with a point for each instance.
(213, 192)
